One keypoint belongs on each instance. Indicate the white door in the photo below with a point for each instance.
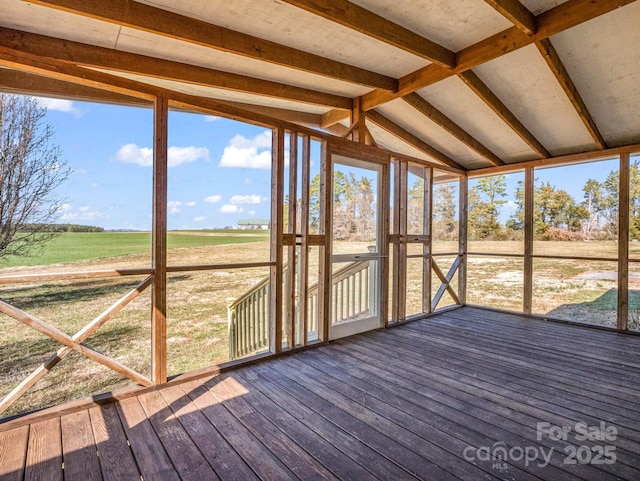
(355, 249)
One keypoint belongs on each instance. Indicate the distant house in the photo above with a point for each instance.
(246, 224)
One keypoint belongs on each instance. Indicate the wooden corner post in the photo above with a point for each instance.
(463, 238)
(277, 209)
(527, 294)
(623, 242)
(159, 242)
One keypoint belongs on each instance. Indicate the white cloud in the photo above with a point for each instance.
(59, 105)
(230, 209)
(251, 213)
(212, 199)
(252, 153)
(211, 118)
(191, 203)
(132, 154)
(80, 214)
(184, 155)
(143, 156)
(200, 218)
(174, 206)
(246, 199)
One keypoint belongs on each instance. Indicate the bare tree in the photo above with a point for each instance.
(31, 169)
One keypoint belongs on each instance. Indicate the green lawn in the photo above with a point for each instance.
(82, 246)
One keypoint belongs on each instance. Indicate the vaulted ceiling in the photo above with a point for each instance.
(464, 83)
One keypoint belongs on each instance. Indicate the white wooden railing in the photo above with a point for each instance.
(248, 315)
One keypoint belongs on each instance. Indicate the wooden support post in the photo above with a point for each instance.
(623, 242)
(324, 268)
(427, 230)
(395, 231)
(401, 265)
(383, 244)
(462, 238)
(304, 240)
(527, 294)
(358, 121)
(277, 203)
(159, 242)
(290, 296)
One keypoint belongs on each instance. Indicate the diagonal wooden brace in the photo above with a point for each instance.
(80, 336)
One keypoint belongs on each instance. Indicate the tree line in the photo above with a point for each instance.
(556, 214)
(60, 228)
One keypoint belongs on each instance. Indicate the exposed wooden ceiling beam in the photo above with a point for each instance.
(560, 18)
(106, 58)
(428, 110)
(168, 24)
(394, 129)
(59, 70)
(293, 116)
(576, 158)
(489, 98)
(23, 83)
(557, 67)
(366, 22)
(517, 14)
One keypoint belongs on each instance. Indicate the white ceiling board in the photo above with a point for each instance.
(401, 113)
(538, 6)
(220, 94)
(297, 28)
(144, 43)
(603, 58)
(454, 99)
(523, 81)
(53, 23)
(452, 24)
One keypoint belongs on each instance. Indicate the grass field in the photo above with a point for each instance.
(197, 318)
(82, 246)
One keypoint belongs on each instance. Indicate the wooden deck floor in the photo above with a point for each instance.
(432, 399)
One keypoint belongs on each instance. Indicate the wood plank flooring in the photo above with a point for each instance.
(432, 399)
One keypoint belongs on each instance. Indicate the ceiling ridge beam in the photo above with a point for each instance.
(406, 136)
(435, 115)
(516, 13)
(155, 20)
(552, 58)
(556, 20)
(106, 58)
(357, 18)
(494, 103)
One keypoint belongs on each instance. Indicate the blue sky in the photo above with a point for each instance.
(219, 170)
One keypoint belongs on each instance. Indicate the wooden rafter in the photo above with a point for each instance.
(26, 83)
(489, 98)
(106, 58)
(154, 20)
(564, 79)
(558, 19)
(517, 14)
(394, 129)
(428, 110)
(364, 21)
